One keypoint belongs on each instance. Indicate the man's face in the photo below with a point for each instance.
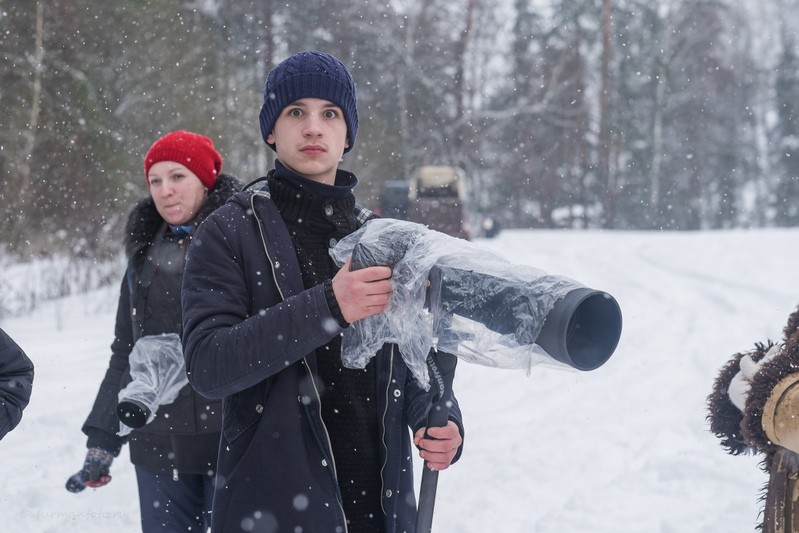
(310, 136)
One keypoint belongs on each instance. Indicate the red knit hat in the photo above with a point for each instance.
(195, 152)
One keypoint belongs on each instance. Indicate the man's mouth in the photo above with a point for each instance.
(312, 149)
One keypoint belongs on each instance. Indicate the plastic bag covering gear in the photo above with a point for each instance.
(158, 371)
(488, 311)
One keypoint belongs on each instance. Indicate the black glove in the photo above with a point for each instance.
(95, 472)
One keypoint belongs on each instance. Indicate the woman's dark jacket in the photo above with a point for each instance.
(250, 331)
(184, 435)
(16, 380)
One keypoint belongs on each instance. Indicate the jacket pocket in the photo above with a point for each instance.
(244, 409)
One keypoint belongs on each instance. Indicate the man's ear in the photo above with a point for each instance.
(270, 139)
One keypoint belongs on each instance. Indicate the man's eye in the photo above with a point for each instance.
(331, 113)
(295, 112)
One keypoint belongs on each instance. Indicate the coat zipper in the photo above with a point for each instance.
(263, 241)
(383, 429)
(304, 361)
(327, 439)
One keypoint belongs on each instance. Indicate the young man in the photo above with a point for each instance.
(307, 444)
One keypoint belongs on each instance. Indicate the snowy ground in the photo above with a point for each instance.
(624, 448)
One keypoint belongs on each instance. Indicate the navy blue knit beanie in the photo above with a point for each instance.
(309, 74)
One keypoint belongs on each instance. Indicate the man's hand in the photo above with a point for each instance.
(440, 448)
(362, 293)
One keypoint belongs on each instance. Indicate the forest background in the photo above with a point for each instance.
(614, 114)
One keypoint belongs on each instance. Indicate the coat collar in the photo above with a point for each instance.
(256, 198)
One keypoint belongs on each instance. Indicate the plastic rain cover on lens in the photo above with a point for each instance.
(158, 372)
(451, 295)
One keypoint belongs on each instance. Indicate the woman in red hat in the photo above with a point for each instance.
(174, 445)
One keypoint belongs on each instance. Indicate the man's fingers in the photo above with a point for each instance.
(373, 274)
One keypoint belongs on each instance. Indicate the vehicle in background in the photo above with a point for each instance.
(394, 199)
(434, 196)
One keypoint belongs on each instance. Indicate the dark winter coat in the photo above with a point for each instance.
(184, 435)
(16, 380)
(250, 331)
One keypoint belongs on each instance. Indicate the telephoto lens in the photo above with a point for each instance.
(132, 413)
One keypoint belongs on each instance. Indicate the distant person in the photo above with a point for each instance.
(490, 226)
(754, 407)
(16, 381)
(307, 444)
(175, 454)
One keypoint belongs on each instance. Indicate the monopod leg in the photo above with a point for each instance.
(441, 367)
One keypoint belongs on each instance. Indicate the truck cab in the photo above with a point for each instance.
(435, 196)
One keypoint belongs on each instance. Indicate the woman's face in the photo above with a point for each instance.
(177, 192)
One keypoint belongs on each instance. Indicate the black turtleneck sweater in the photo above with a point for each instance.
(317, 217)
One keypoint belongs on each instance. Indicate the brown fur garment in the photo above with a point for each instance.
(725, 419)
(743, 432)
(785, 363)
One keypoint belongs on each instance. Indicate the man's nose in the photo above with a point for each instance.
(313, 125)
